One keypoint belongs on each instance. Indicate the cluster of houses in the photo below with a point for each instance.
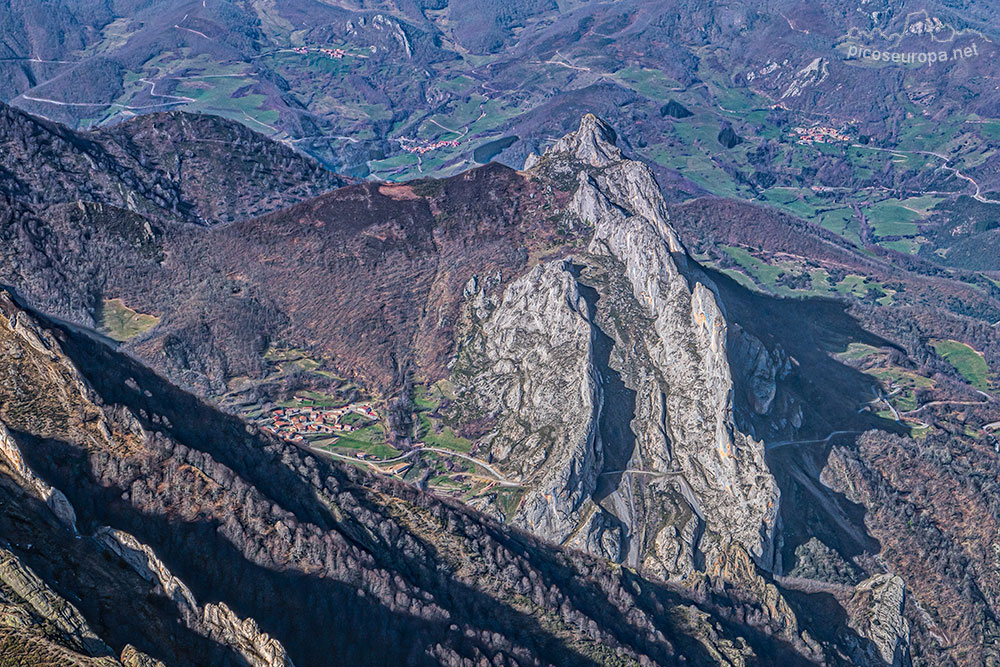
(426, 148)
(330, 53)
(293, 423)
(819, 135)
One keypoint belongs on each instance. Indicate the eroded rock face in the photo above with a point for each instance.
(593, 144)
(609, 379)
(879, 603)
(216, 621)
(132, 657)
(54, 498)
(27, 602)
(549, 437)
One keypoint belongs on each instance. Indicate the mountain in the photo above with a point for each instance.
(141, 523)
(615, 432)
(890, 154)
(161, 165)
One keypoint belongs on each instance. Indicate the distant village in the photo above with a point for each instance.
(295, 422)
(819, 135)
(426, 148)
(330, 53)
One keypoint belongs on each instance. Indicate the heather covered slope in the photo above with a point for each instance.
(368, 276)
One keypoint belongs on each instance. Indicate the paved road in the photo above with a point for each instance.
(501, 480)
(932, 403)
(99, 104)
(977, 196)
(651, 473)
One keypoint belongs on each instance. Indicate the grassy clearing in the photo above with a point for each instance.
(651, 83)
(905, 246)
(969, 363)
(742, 278)
(990, 130)
(456, 85)
(900, 384)
(921, 205)
(121, 323)
(291, 359)
(800, 202)
(859, 351)
(765, 273)
(318, 399)
(892, 220)
(430, 428)
(436, 435)
(907, 382)
(836, 220)
(795, 280)
(370, 439)
(859, 287)
(509, 500)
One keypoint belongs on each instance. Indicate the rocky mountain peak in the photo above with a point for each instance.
(611, 372)
(356, 554)
(594, 143)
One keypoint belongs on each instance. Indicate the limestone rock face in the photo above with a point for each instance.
(593, 143)
(26, 602)
(54, 498)
(608, 378)
(761, 369)
(548, 439)
(133, 657)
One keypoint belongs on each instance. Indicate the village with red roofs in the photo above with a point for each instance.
(819, 135)
(293, 423)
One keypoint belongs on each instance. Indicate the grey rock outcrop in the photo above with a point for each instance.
(594, 143)
(216, 621)
(54, 498)
(609, 381)
(133, 657)
(26, 601)
(880, 618)
(548, 439)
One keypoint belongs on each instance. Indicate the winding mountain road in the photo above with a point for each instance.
(978, 194)
(375, 465)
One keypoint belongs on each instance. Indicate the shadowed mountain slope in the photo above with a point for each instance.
(323, 557)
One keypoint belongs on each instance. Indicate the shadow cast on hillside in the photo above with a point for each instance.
(618, 407)
(321, 620)
(318, 616)
(810, 331)
(119, 605)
